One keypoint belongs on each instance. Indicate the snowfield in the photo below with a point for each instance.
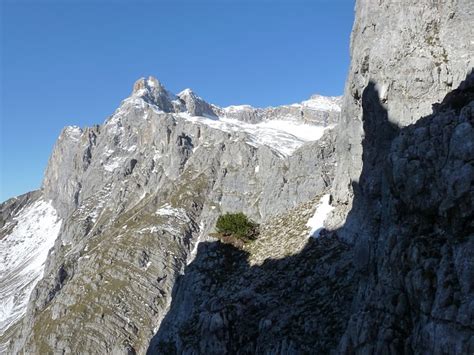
(322, 103)
(23, 254)
(283, 136)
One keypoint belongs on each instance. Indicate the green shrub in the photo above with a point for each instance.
(237, 225)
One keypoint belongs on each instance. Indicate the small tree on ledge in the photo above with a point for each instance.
(237, 225)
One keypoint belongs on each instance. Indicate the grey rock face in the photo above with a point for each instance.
(195, 105)
(71, 156)
(11, 207)
(159, 146)
(28, 229)
(137, 193)
(407, 219)
(414, 54)
(153, 92)
(318, 110)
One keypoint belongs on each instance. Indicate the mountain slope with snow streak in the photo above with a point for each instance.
(27, 239)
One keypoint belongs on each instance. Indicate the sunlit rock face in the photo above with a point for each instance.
(406, 288)
(403, 197)
(414, 54)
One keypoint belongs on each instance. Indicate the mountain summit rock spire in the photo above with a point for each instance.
(153, 92)
(147, 84)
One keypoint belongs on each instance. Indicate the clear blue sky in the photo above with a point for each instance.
(72, 62)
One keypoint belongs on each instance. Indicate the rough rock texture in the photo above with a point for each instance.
(416, 288)
(136, 195)
(11, 207)
(318, 109)
(15, 288)
(409, 220)
(414, 53)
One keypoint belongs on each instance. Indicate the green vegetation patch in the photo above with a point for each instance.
(237, 225)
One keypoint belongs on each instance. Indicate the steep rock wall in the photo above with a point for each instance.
(414, 53)
(404, 196)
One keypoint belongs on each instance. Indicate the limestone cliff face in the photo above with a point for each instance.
(415, 288)
(406, 288)
(404, 196)
(414, 53)
(284, 294)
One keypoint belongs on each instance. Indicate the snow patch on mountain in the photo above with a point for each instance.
(316, 223)
(304, 132)
(114, 164)
(169, 211)
(23, 254)
(323, 103)
(73, 132)
(283, 136)
(237, 108)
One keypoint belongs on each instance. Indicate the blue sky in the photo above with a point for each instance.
(72, 62)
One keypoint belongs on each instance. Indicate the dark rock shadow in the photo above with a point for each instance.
(413, 213)
(404, 286)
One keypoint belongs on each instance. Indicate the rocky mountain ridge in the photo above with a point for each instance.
(136, 194)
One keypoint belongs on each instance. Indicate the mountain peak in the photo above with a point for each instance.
(144, 85)
(186, 92)
(195, 104)
(152, 91)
